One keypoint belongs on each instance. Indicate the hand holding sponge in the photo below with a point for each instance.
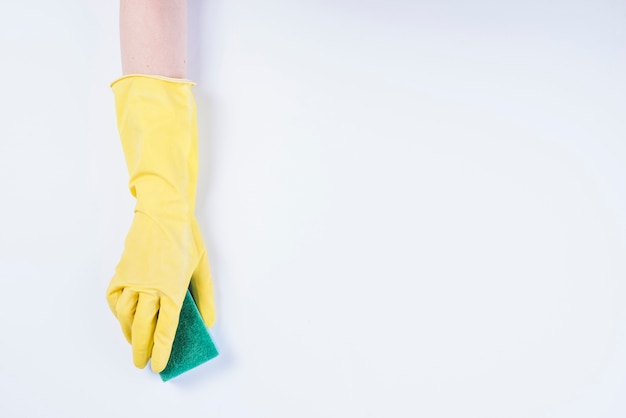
(164, 253)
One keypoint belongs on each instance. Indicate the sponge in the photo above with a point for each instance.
(192, 344)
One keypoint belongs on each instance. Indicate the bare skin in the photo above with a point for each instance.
(153, 37)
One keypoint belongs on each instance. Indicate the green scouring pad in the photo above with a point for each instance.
(192, 344)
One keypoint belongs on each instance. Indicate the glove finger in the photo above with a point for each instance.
(164, 333)
(201, 288)
(112, 298)
(143, 328)
(125, 311)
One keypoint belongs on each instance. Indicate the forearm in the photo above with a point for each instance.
(153, 37)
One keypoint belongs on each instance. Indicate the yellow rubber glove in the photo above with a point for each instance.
(164, 253)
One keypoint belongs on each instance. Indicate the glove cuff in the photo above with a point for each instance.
(154, 76)
(156, 119)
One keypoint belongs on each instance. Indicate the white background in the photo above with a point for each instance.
(413, 208)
